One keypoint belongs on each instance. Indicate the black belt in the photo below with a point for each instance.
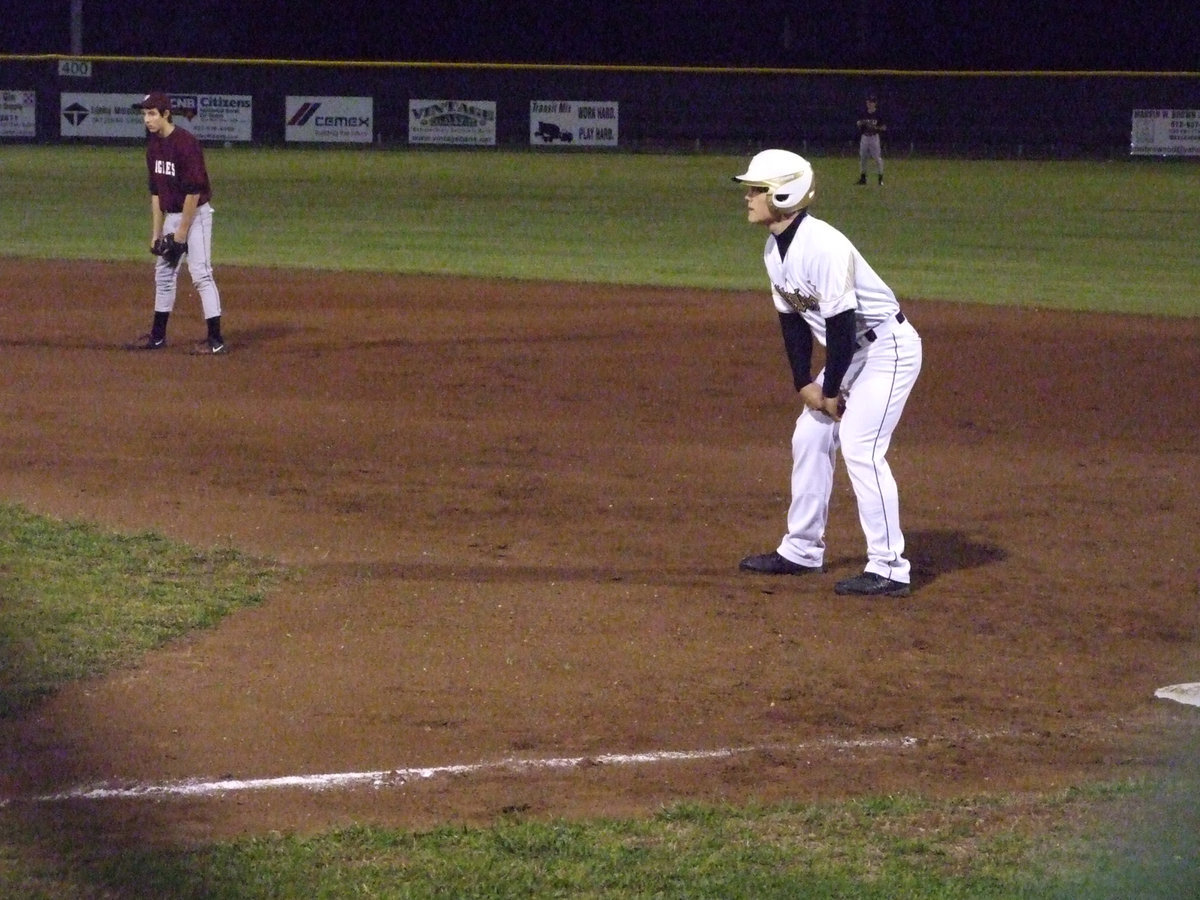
(869, 334)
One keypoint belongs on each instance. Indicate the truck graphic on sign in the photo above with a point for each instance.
(549, 132)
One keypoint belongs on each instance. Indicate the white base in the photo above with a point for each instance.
(1181, 693)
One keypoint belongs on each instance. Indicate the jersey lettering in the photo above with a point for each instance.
(164, 167)
(801, 299)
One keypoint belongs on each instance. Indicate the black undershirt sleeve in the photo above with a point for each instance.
(798, 342)
(797, 336)
(839, 348)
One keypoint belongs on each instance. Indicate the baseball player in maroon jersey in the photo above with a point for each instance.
(825, 291)
(180, 222)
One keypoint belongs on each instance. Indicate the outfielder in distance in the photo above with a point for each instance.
(180, 222)
(824, 289)
(870, 127)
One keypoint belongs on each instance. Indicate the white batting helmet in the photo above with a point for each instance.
(787, 176)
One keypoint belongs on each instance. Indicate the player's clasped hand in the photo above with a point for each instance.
(814, 398)
(169, 249)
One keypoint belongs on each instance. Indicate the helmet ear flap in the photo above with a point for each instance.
(792, 196)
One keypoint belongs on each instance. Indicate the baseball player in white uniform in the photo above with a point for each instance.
(824, 289)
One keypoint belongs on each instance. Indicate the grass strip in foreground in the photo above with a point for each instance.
(76, 601)
(1116, 840)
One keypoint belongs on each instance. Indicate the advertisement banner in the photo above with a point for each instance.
(18, 113)
(452, 122)
(215, 117)
(580, 123)
(211, 117)
(339, 120)
(100, 115)
(1165, 132)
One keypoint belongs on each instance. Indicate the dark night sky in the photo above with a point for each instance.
(942, 34)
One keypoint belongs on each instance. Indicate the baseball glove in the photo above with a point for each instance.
(170, 249)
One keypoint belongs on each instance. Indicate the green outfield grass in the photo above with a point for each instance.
(1116, 236)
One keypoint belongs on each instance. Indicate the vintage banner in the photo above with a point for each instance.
(452, 122)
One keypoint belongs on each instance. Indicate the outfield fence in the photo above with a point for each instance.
(1056, 114)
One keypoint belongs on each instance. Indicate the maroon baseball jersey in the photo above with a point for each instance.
(176, 167)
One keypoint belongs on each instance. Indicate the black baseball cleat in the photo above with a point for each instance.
(147, 342)
(774, 564)
(869, 584)
(862, 179)
(209, 347)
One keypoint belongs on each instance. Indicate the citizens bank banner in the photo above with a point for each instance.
(1165, 132)
(452, 122)
(581, 123)
(211, 117)
(338, 120)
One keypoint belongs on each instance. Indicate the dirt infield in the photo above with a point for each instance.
(517, 511)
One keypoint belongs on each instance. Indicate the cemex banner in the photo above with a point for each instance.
(331, 120)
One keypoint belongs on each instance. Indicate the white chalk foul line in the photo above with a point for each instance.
(396, 777)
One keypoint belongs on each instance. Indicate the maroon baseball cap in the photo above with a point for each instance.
(154, 100)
